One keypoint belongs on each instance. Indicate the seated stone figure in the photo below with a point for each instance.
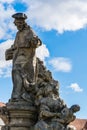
(66, 116)
(53, 112)
(48, 105)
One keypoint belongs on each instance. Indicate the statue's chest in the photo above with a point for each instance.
(21, 38)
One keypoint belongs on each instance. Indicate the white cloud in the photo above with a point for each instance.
(56, 14)
(6, 22)
(5, 66)
(61, 64)
(75, 87)
(42, 52)
(6, 1)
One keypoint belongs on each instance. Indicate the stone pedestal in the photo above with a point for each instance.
(22, 116)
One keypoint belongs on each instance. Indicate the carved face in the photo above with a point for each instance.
(75, 108)
(19, 24)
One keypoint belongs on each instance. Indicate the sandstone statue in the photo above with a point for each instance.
(35, 103)
(24, 58)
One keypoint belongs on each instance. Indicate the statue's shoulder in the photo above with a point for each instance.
(18, 32)
(30, 29)
(26, 30)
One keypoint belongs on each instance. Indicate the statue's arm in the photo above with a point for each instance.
(34, 40)
(9, 54)
(45, 112)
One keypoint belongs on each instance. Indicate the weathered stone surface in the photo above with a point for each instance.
(35, 103)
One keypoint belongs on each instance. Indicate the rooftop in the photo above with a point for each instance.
(2, 104)
(80, 124)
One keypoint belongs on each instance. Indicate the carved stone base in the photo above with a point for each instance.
(22, 116)
(15, 128)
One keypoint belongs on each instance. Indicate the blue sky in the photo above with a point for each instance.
(62, 27)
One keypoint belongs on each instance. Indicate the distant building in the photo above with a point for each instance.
(80, 124)
(1, 121)
(2, 104)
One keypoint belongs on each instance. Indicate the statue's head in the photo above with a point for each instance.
(19, 20)
(75, 108)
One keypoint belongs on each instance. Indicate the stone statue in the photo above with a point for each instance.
(53, 112)
(67, 114)
(24, 58)
(35, 103)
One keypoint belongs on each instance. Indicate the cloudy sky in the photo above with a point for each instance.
(62, 27)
